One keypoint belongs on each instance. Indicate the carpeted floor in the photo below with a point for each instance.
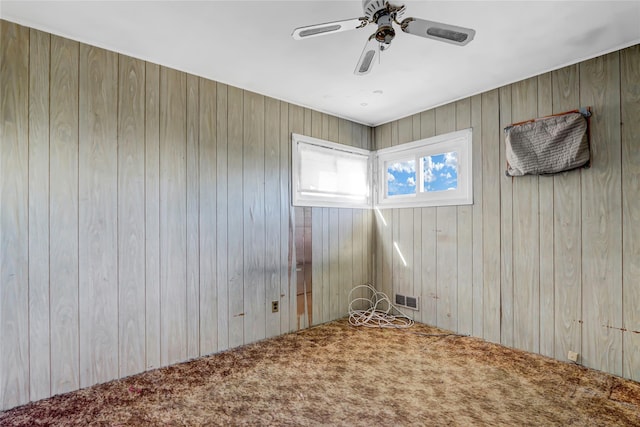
(336, 374)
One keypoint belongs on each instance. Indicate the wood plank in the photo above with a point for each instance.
(326, 288)
(222, 281)
(447, 242)
(478, 235)
(173, 216)
(465, 239)
(272, 212)
(14, 215)
(403, 242)
(193, 212)
(152, 214)
(334, 263)
(630, 111)
(285, 205)
(296, 125)
(567, 224)
(207, 194)
(601, 218)
(403, 266)
(491, 215)
(131, 216)
(546, 236)
(525, 257)
(345, 255)
(254, 218)
(98, 216)
(63, 221)
(384, 243)
(506, 227)
(416, 252)
(429, 236)
(319, 286)
(39, 303)
(235, 221)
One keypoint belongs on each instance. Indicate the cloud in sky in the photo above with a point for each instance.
(439, 173)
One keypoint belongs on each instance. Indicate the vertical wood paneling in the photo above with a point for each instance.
(193, 213)
(272, 212)
(98, 217)
(63, 211)
(477, 226)
(131, 216)
(601, 218)
(296, 125)
(14, 219)
(447, 241)
(334, 263)
(384, 245)
(546, 236)
(345, 233)
(254, 219)
(428, 285)
(151, 210)
(465, 240)
(173, 217)
(491, 216)
(152, 214)
(285, 197)
(567, 237)
(222, 215)
(403, 231)
(235, 216)
(526, 253)
(506, 228)
(39, 303)
(317, 250)
(630, 112)
(207, 186)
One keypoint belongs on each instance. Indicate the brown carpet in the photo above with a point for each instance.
(336, 374)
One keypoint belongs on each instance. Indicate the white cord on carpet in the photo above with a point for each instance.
(379, 313)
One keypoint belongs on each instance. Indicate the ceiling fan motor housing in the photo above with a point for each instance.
(371, 7)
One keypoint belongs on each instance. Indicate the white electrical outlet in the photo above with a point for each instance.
(572, 356)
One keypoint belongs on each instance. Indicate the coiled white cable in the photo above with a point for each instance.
(381, 313)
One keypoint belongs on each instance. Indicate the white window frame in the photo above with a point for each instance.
(302, 198)
(460, 142)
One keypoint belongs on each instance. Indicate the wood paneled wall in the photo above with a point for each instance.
(145, 216)
(546, 264)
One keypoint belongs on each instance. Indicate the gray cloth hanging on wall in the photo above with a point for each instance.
(548, 145)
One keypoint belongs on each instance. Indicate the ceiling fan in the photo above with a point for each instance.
(384, 14)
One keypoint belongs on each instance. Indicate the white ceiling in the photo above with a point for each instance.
(248, 44)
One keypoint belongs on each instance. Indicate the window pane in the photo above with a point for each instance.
(401, 178)
(440, 172)
(332, 172)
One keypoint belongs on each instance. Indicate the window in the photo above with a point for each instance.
(430, 172)
(329, 174)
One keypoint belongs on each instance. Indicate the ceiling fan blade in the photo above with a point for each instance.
(328, 28)
(369, 54)
(438, 31)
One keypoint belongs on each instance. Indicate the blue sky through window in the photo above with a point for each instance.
(440, 172)
(401, 178)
